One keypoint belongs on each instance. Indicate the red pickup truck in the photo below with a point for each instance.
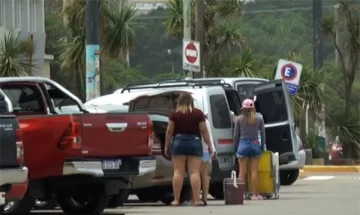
(82, 159)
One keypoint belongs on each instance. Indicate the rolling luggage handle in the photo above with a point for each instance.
(234, 178)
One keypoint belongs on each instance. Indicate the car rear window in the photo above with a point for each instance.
(220, 112)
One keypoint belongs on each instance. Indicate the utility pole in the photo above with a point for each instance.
(317, 35)
(92, 77)
(337, 34)
(199, 32)
(187, 25)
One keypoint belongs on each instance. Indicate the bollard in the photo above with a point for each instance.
(308, 153)
(233, 190)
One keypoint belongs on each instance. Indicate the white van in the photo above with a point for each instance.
(274, 104)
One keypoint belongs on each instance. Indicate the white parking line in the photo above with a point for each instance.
(319, 177)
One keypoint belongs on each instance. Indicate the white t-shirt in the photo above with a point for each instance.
(205, 147)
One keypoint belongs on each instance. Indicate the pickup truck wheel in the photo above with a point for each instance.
(120, 199)
(217, 191)
(84, 201)
(168, 195)
(288, 177)
(23, 206)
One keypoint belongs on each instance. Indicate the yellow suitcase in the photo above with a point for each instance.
(268, 176)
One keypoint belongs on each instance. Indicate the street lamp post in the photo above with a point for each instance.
(172, 61)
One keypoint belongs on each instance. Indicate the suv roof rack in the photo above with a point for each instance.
(164, 83)
(160, 84)
(212, 82)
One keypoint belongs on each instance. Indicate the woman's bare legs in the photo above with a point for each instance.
(242, 168)
(254, 176)
(205, 183)
(179, 164)
(193, 165)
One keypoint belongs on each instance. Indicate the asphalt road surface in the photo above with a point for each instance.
(328, 194)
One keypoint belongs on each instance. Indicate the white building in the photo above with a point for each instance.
(28, 17)
(145, 6)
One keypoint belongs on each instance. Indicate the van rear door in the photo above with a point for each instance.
(273, 102)
(221, 126)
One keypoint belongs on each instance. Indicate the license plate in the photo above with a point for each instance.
(113, 164)
(225, 159)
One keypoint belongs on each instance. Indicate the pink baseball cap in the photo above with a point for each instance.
(248, 104)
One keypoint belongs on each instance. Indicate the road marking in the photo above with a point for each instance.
(319, 177)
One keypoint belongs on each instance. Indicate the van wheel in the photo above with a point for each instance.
(84, 201)
(217, 191)
(23, 206)
(146, 196)
(288, 177)
(168, 195)
(119, 199)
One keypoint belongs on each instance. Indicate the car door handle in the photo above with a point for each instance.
(116, 127)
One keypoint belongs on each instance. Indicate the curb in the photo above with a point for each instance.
(328, 169)
(339, 169)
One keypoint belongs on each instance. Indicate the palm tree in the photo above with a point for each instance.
(116, 35)
(222, 35)
(15, 55)
(345, 35)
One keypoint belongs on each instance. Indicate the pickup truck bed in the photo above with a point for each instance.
(104, 137)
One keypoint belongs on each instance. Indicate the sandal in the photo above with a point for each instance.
(204, 202)
(200, 204)
(175, 203)
(257, 197)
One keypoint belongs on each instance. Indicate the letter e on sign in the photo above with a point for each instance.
(288, 72)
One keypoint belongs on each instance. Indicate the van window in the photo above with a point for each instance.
(245, 90)
(272, 105)
(220, 112)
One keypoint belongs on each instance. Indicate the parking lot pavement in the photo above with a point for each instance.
(330, 194)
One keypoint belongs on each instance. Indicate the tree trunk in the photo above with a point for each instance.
(348, 93)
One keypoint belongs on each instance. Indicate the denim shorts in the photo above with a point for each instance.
(206, 157)
(248, 148)
(188, 145)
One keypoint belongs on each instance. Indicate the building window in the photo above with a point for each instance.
(32, 7)
(17, 12)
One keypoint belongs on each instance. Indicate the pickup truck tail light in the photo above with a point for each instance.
(71, 138)
(150, 134)
(19, 146)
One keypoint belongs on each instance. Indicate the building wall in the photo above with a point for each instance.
(28, 16)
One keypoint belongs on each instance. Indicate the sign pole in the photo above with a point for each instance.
(187, 26)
